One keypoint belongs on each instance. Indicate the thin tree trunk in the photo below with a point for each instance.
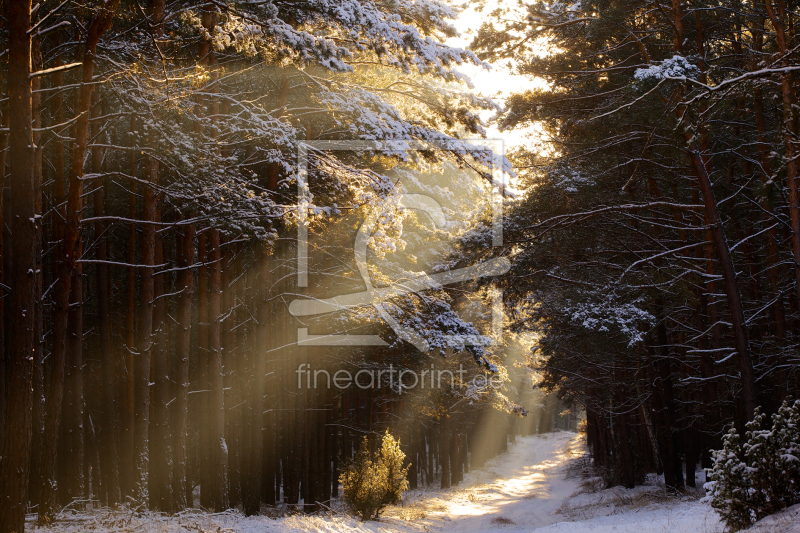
(81, 411)
(444, 451)
(216, 413)
(243, 379)
(128, 483)
(206, 447)
(141, 447)
(38, 373)
(218, 454)
(626, 446)
(3, 271)
(151, 333)
(268, 429)
(91, 464)
(766, 165)
(71, 444)
(71, 433)
(260, 455)
(230, 374)
(127, 471)
(161, 467)
(335, 443)
(182, 347)
(328, 445)
(108, 424)
(670, 458)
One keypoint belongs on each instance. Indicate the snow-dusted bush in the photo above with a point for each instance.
(607, 311)
(760, 476)
(374, 481)
(674, 67)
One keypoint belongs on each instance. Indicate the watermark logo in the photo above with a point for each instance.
(398, 379)
(376, 296)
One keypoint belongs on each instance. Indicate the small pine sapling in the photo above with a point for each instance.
(728, 489)
(372, 482)
(760, 476)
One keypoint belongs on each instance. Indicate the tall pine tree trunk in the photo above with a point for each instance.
(38, 373)
(81, 376)
(230, 374)
(181, 491)
(160, 446)
(216, 413)
(444, 450)
(127, 447)
(4, 293)
(260, 455)
(70, 473)
(264, 390)
(108, 424)
(206, 464)
(69, 251)
(141, 449)
(15, 462)
(700, 170)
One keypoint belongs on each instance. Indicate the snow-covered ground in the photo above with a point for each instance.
(521, 489)
(535, 486)
(787, 521)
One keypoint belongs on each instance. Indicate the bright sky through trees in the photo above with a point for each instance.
(499, 82)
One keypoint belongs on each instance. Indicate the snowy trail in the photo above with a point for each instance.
(519, 490)
(525, 490)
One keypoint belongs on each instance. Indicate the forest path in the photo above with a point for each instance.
(520, 489)
(524, 489)
(527, 489)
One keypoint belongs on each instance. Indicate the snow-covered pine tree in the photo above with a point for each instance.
(760, 454)
(786, 429)
(760, 476)
(727, 490)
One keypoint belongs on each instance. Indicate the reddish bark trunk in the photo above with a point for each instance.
(264, 390)
(128, 472)
(141, 448)
(38, 374)
(205, 451)
(68, 254)
(109, 489)
(15, 463)
(700, 170)
(181, 491)
(216, 412)
(260, 455)
(231, 375)
(161, 471)
(3, 271)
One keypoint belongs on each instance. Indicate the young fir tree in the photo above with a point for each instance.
(760, 476)
(729, 478)
(374, 481)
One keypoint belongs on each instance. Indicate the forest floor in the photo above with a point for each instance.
(544, 483)
(541, 483)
